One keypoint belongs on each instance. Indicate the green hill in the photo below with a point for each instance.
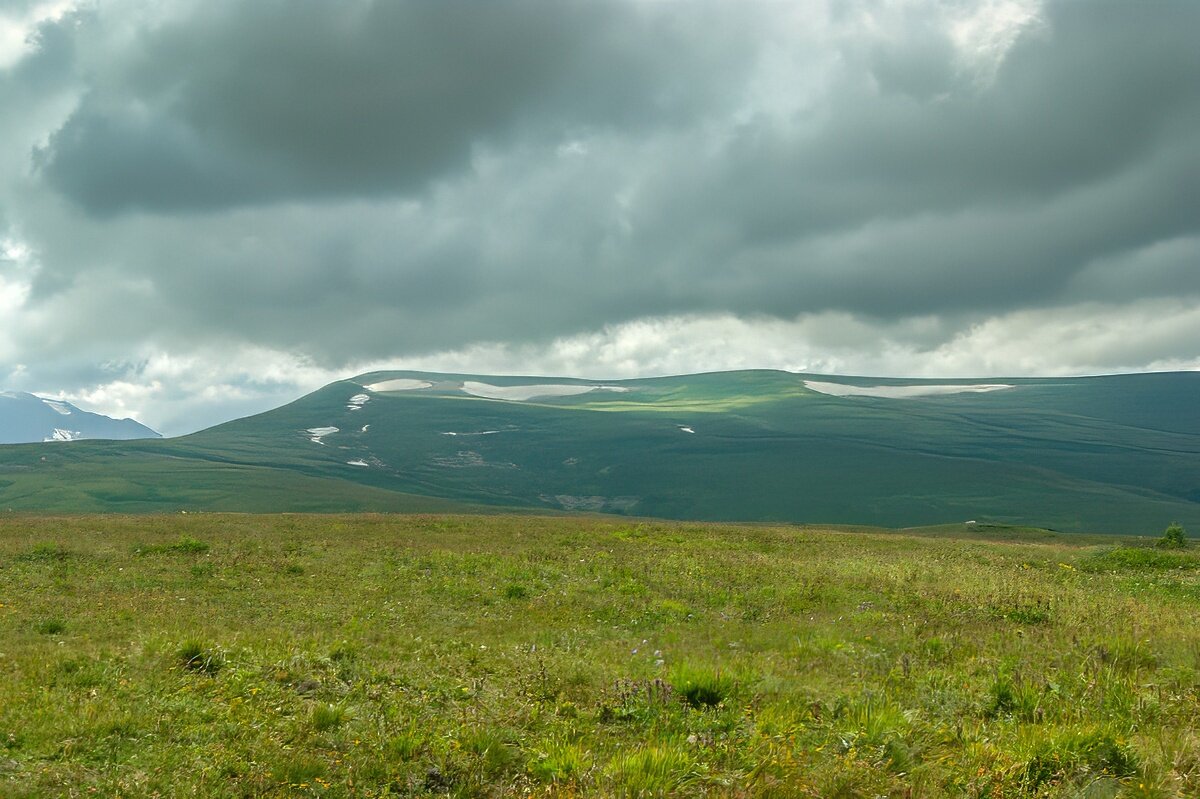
(1114, 453)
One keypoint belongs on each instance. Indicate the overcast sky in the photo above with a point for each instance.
(208, 208)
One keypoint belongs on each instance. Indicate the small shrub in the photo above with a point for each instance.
(293, 569)
(328, 717)
(701, 687)
(516, 591)
(1173, 537)
(50, 626)
(194, 657)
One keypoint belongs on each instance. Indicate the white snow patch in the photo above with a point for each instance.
(365, 426)
(359, 462)
(357, 401)
(64, 435)
(315, 434)
(59, 407)
(522, 393)
(903, 392)
(480, 433)
(686, 429)
(399, 384)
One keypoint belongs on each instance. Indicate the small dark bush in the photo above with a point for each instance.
(516, 591)
(1173, 537)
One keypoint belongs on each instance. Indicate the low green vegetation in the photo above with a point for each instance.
(1174, 537)
(371, 656)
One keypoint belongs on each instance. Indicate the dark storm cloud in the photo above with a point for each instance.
(377, 179)
(243, 103)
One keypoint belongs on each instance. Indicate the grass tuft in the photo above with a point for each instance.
(558, 760)
(193, 656)
(701, 686)
(654, 770)
(328, 717)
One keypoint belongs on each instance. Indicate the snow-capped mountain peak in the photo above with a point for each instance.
(28, 418)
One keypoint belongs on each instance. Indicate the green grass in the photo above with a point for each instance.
(370, 656)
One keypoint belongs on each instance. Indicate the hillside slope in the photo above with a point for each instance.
(1115, 454)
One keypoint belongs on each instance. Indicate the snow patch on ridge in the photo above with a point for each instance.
(356, 402)
(523, 393)
(64, 435)
(903, 392)
(59, 407)
(359, 462)
(315, 434)
(399, 384)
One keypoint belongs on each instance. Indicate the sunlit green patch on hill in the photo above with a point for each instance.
(336, 656)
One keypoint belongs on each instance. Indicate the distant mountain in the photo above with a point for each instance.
(1106, 454)
(27, 418)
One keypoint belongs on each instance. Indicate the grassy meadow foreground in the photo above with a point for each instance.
(200, 655)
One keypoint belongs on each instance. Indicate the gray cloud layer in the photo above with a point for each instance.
(241, 103)
(373, 180)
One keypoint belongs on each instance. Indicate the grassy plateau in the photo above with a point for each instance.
(336, 656)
